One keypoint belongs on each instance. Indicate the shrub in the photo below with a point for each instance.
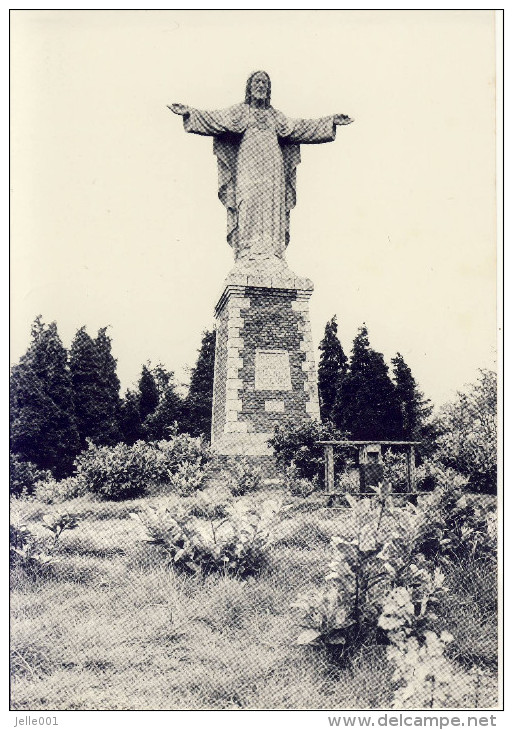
(211, 503)
(378, 555)
(295, 443)
(395, 470)
(23, 476)
(182, 448)
(454, 526)
(236, 545)
(468, 441)
(117, 472)
(432, 474)
(124, 472)
(297, 485)
(34, 554)
(53, 491)
(424, 675)
(187, 478)
(245, 476)
(429, 475)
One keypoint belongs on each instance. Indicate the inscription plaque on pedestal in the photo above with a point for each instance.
(272, 370)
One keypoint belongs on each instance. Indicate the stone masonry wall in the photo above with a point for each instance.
(270, 323)
(253, 321)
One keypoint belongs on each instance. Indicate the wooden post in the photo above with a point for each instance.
(411, 469)
(329, 468)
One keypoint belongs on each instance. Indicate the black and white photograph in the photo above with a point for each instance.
(255, 362)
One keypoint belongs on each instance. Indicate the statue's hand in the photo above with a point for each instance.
(180, 109)
(341, 119)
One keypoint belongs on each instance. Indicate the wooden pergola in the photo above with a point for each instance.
(329, 462)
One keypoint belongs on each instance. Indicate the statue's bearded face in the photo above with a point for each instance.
(259, 86)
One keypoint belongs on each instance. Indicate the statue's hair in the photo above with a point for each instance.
(267, 101)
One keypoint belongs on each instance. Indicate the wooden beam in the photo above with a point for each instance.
(411, 469)
(368, 443)
(329, 468)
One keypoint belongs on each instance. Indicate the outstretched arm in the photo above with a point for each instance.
(311, 131)
(340, 119)
(180, 109)
(210, 123)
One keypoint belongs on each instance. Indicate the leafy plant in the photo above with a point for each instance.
(454, 526)
(422, 671)
(57, 523)
(297, 485)
(468, 441)
(55, 491)
(296, 444)
(187, 478)
(29, 551)
(124, 472)
(235, 545)
(366, 565)
(408, 609)
(245, 476)
(24, 475)
(211, 503)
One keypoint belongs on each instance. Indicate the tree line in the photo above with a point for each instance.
(360, 396)
(60, 399)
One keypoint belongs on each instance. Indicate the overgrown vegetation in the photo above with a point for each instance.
(468, 438)
(295, 444)
(236, 544)
(123, 472)
(199, 587)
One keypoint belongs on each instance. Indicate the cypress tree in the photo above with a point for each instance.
(42, 415)
(130, 418)
(85, 375)
(159, 424)
(371, 410)
(148, 393)
(198, 403)
(414, 407)
(332, 371)
(109, 389)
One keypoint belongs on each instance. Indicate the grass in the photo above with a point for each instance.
(111, 626)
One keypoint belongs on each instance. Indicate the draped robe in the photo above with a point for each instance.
(257, 154)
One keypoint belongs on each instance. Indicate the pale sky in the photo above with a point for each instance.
(115, 216)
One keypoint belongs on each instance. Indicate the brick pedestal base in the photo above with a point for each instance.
(264, 364)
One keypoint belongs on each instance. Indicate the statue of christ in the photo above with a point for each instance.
(257, 149)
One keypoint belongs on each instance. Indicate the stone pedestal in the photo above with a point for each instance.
(264, 363)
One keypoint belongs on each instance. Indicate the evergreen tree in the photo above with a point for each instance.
(158, 425)
(332, 371)
(84, 366)
(148, 393)
(42, 415)
(109, 392)
(130, 418)
(95, 388)
(370, 409)
(414, 408)
(198, 403)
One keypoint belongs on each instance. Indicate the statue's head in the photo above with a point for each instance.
(259, 87)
